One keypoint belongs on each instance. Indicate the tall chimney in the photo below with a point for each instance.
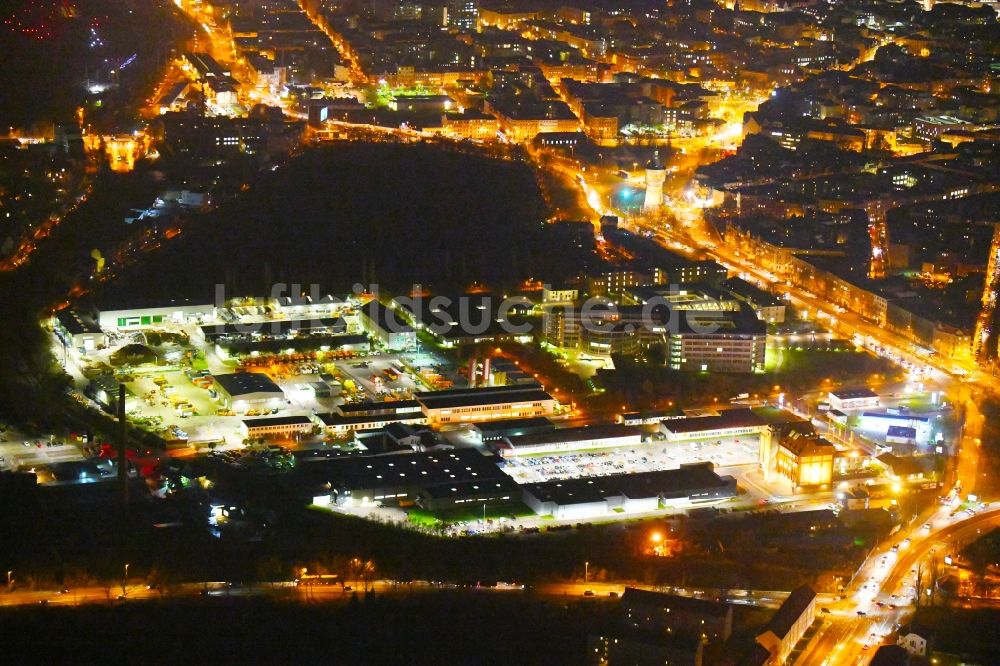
(122, 458)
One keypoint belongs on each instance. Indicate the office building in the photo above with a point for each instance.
(717, 342)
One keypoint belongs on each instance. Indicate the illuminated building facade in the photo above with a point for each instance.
(485, 404)
(984, 346)
(470, 124)
(805, 460)
(655, 175)
(463, 14)
(878, 229)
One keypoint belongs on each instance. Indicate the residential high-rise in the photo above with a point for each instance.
(463, 14)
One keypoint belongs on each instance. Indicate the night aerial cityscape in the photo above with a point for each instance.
(500, 332)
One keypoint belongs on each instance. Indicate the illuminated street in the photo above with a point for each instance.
(634, 334)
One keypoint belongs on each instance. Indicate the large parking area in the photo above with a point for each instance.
(20, 453)
(651, 457)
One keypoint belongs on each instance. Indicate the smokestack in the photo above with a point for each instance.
(122, 459)
(473, 362)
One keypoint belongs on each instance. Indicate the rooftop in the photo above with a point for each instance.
(385, 318)
(754, 294)
(373, 408)
(569, 435)
(453, 398)
(244, 383)
(908, 418)
(423, 470)
(790, 611)
(729, 418)
(915, 628)
(274, 327)
(808, 445)
(670, 483)
(513, 426)
(276, 421)
(901, 466)
(853, 393)
(332, 420)
(75, 324)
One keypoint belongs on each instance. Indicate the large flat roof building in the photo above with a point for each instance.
(373, 408)
(853, 398)
(768, 307)
(727, 423)
(470, 319)
(490, 431)
(628, 493)
(387, 327)
(403, 478)
(568, 439)
(279, 426)
(240, 391)
(456, 406)
(115, 316)
(340, 424)
(78, 331)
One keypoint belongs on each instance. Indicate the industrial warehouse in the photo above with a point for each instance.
(568, 439)
(628, 493)
(248, 390)
(726, 423)
(433, 480)
(442, 479)
(455, 406)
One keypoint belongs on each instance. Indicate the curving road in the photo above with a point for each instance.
(887, 578)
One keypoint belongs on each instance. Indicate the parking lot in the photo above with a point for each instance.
(651, 457)
(20, 453)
